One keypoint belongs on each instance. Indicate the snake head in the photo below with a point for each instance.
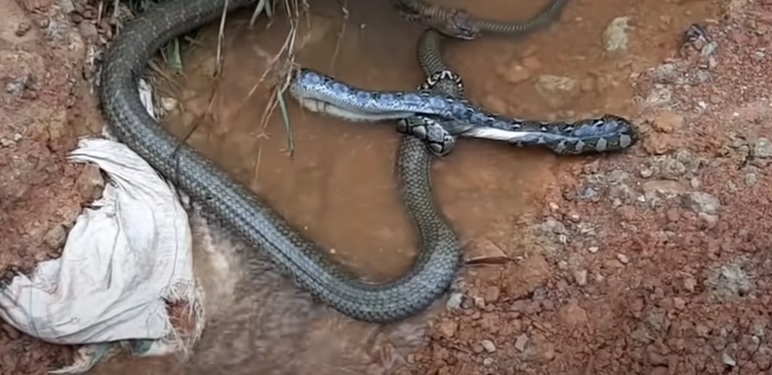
(460, 25)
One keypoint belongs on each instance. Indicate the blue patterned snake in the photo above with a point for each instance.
(437, 118)
(246, 214)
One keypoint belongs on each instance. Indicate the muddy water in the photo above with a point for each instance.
(338, 184)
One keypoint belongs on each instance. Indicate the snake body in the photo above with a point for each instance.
(321, 93)
(245, 213)
(459, 24)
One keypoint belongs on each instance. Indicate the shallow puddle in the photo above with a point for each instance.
(339, 184)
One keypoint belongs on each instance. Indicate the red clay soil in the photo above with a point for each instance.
(654, 261)
(45, 106)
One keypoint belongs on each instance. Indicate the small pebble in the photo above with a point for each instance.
(488, 346)
(580, 276)
(22, 28)
(623, 258)
(728, 360)
(521, 341)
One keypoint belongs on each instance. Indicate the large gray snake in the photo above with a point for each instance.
(245, 213)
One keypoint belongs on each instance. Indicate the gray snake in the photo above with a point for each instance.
(245, 213)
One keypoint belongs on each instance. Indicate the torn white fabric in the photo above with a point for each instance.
(127, 254)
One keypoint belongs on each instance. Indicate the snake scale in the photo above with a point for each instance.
(249, 216)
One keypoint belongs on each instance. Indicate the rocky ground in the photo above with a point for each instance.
(44, 106)
(654, 261)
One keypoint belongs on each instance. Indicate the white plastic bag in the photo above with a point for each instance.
(127, 255)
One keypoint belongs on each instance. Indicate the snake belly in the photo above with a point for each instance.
(248, 215)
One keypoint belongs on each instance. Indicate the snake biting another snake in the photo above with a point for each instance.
(248, 216)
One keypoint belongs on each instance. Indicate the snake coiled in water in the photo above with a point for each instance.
(248, 215)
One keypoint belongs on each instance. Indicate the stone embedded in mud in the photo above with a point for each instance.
(447, 328)
(55, 237)
(615, 37)
(763, 148)
(521, 342)
(701, 202)
(90, 183)
(515, 73)
(667, 121)
(484, 251)
(488, 345)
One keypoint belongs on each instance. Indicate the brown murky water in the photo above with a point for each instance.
(339, 184)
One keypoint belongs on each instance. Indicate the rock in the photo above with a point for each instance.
(558, 91)
(448, 328)
(90, 183)
(709, 220)
(515, 73)
(615, 35)
(88, 31)
(580, 277)
(55, 237)
(762, 148)
(454, 301)
(484, 251)
(660, 95)
(169, 104)
(728, 360)
(730, 281)
(492, 294)
(521, 342)
(763, 358)
(666, 73)
(588, 194)
(701, 202)
(750, 179)
(660, 143)
(488, 346)
(667, 122)
(662, 188)
(573, 315)
(645, 171)
(623, 258)
(532, 63)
